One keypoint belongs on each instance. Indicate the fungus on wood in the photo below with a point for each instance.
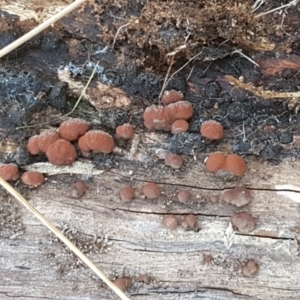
(183, 196)
(123, 283)
(212, 130)
(71, 129)
(226, 166)
(78, 190)
(171, 96)
(99, 141)
(170, 221)
(179, 126)
(61, 153)
(239, 196)
(190, 222)
(151, 190)
(33, 179)
(46, 138)
(250, 268)
(124, 132)
(127, 193)
(174, 161)
(243, 222)
(33, 146)
(9, 172)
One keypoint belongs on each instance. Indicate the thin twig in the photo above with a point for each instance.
(63, 238)
(74, 107)
(244, 55)
(117, 33)
(182, 67)
(292, 3)
(166, 78)
(39, 28)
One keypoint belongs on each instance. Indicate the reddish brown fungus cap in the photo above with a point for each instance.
(239, 196)
(46, 138)
(9, 172)
(78, 190)
(243, 222)
(170, 221)
(179, 126)
(215, 162)
(145, 278)
(157, 118)
(99, 141)
(61, 153)
(127, 193)
(32, 145)
(180, 110)
(235, 164)
(33, 178)
(190, 222)
(124, 132)
(212, 130)
(250, 268)
(183, 196)
(173, 161)
(72, 129)
(171, 96)
(151, 190)
(123, 283)
(82, 144)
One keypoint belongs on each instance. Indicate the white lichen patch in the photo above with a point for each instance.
(77, 167)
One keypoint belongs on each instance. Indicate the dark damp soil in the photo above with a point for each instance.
(132, 49)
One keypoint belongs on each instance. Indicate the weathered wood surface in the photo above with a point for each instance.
(176, 260)
(183, 264)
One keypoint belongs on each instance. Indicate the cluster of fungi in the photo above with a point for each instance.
(172, 116)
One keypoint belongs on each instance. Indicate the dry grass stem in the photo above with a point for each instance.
(258, 91)
(26, 37)
(63, 238)
(292, 3)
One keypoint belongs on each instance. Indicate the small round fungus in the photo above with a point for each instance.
(190, 222)
(235, 165)
(127, 193)
(46, 138)
(215, 162)
(123, 283)
(124, 132)
(173, 161)
(33, 178)
(214, 198)
(179, 126)
(83, 145)
(183, 196)
(151, 190)
(171, 96)
(72, 129)
(250, 268)
(170, 221)
(32, 145)
(239, 196)
(9, 172)
(157, 118)
(99, 141)
(180, 110)
(78, 190)
(243, 222)
(212, 130)
(144, 278)
(61, 153)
